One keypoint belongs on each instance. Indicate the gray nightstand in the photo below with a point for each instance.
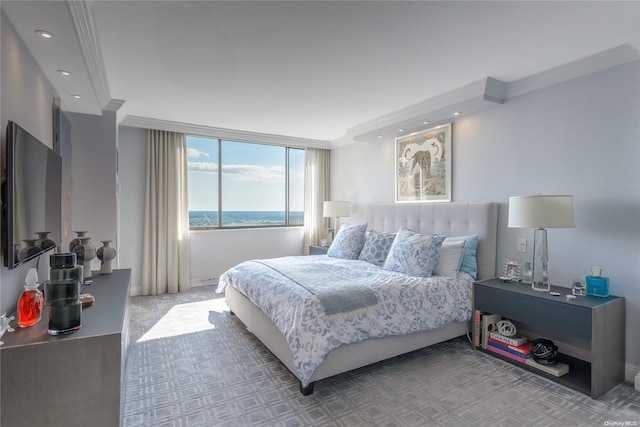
(318, 250)
(588, 330)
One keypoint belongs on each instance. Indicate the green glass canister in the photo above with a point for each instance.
(62, 293)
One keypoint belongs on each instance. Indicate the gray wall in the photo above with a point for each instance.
(94, 201)
(580, 137)
(27, 99)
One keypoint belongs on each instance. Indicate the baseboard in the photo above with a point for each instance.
(632, 374)
(204, 282)
(137, 290)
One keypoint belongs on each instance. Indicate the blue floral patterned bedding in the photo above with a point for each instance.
(406, 305)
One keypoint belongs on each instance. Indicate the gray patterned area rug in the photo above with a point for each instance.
(191, 363)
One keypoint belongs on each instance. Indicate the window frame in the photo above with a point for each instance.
(287, 213)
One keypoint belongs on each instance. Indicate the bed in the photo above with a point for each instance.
(449, 219)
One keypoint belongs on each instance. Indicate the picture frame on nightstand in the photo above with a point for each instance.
(512, 269)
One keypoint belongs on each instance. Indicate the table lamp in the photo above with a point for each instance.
(332, 209)
(541, 212)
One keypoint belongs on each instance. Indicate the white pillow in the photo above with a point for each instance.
(450, 259)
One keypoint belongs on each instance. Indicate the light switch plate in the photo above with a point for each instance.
(522, 245)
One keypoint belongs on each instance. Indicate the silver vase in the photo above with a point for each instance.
(105, 254)
(85, 252)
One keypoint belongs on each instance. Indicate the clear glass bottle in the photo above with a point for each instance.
(30, 302)
(527, 273)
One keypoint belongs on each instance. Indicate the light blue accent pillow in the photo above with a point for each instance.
(376, 247)
(414, 254)
(348, 241)
(469, 263)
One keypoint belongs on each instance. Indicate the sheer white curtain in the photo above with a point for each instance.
(166, 259)
(316, 191)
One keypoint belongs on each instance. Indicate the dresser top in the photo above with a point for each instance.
(104, 317)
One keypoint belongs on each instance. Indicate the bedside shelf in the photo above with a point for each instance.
(589, 331)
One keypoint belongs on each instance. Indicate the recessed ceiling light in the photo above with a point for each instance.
(76, 96)
(426, 122)
(380, 136)
(64, 72)
(45, 34)
(457, 113)
(400, 130)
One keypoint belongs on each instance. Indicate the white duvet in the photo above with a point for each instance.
(406, 305)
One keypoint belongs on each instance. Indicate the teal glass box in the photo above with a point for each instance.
(598, 286)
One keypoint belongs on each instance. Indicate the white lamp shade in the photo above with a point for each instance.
(541, 211)
(336, 209)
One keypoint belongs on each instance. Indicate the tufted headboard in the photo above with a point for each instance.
(451, 219)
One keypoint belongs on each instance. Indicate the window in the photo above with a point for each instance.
(242, 184)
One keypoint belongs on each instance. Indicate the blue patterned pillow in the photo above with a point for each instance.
(348, 242)
(469, 262)
(414, 254)
(376, 247)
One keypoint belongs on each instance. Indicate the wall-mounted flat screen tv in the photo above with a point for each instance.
(31, 197)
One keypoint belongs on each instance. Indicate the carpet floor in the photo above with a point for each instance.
(192, 363)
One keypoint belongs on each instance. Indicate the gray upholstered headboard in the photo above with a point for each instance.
(451, 219)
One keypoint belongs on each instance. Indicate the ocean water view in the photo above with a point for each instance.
(205, 219)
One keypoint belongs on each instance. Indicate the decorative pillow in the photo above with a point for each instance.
(376, 247)
(348, 241)
(469, 263)
(414, 254)
(450, 259)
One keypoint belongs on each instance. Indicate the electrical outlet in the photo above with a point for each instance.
(522, 245)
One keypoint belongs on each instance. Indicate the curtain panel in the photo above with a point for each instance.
(316, 191)
(166, 255)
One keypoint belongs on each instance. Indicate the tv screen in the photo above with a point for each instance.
(32, 197)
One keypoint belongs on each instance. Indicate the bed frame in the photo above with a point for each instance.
(452, 219)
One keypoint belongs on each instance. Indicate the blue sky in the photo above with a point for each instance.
(253, 176)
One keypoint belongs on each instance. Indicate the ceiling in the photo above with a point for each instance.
(310, 69)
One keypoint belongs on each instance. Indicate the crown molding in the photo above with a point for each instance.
(591, 64)
(480, 95)
(222, 133)
(84, 22)
(114, 105)
(439, 102)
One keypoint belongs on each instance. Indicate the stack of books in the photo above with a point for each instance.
(515, 348)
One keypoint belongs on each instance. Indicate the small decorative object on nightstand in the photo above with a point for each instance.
(596, 284)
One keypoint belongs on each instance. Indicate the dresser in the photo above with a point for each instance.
(70, 380)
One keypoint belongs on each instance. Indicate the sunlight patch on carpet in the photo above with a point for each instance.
(186, 319)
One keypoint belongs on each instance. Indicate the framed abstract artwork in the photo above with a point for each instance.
(423, 165)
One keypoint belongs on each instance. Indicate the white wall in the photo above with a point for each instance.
(27, 98)
(581, 137)
(131, 176)
(212, 251)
